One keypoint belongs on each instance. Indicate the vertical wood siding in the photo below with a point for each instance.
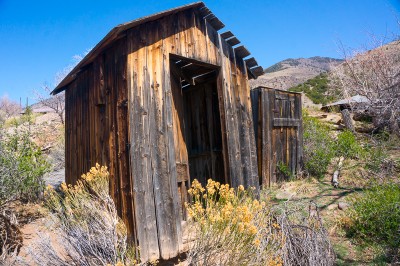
(97, 127)
(121, 111)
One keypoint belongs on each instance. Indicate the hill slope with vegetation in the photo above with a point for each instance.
(291, 72)
(322, 89)
(317, 89)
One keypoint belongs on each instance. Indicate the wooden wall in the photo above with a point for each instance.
(120, 112)
(155, 124)
(278, 133)
(97, 127)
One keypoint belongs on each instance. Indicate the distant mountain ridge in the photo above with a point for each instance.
(291, 72)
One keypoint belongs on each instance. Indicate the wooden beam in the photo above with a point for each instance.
(216, 23)
(233, 41)
(251, 62)
(226, 35)
(204, 11)
(205, 77)
(241, 51)
(196, 62)
(257, 71)
(286, 122)
(209, 16)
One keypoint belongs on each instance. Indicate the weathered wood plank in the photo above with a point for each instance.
(230, 115)
(280, 118)
(286, 122)
(164, 173)
(246, 134)
(233, 41)
(251, 62)
(226, 35)
(139, 108)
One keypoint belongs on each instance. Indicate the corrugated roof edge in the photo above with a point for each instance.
(111, 36)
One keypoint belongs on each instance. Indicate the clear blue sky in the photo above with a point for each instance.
(39, 38)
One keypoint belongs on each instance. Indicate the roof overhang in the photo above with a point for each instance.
(118, 32)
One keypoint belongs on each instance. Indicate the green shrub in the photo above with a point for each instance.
(374, 158)
(22, 166)
(347, 145)
(317, 89)
(375, 216)
(318, 146)
(285, 170)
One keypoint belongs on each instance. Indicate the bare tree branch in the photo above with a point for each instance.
(55, 102)
(8, 107)
(374, 74)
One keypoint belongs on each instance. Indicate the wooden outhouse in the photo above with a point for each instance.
(162, 100)
(278, 132)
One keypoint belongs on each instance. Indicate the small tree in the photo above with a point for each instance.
(374, 74)
(8, 107)
(55, 102)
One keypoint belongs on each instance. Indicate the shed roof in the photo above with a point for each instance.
(351, 100)
(117, 31)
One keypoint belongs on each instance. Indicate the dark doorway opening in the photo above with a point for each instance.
(197, 122)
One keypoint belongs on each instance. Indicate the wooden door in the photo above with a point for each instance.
(278, 131)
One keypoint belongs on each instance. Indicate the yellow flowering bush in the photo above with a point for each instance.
(231, 227)
(87, 219)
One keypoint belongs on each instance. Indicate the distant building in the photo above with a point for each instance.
(39, 108)
(357, 102)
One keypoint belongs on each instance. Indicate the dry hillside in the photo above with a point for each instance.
(291, 72)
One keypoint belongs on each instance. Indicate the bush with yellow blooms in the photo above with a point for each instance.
(231, 227)
(85, 217)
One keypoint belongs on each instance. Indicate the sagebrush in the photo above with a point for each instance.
(232, 227)
(86, 220)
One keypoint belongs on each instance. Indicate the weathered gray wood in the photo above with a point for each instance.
(231, 119)
(216, 23)
(281, 133)
(257, 71)
(267, 151)
(139, 108)
(246, 129)
(299, 133)
(286, 122)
